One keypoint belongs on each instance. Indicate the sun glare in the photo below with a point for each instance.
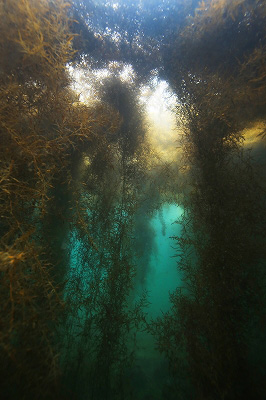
(160, 103)
(157, 99)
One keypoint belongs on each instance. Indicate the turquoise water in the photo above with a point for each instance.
(159, 276)
(163, 274)
(150, 371)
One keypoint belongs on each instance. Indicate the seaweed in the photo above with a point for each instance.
(79, 182)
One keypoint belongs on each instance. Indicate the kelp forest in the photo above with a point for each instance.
(132, 200)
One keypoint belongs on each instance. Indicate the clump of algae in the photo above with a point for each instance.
(42, 130)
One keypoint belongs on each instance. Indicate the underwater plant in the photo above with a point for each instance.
(215, 315)
(79, 183)
(42, 127)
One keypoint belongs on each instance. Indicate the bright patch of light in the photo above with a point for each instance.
(101, 73)
(83, 79)
(160, 102)
(83, 82)
(254, 134)
(79, 84)
(116, 37)
(127, 74)
(157, 99)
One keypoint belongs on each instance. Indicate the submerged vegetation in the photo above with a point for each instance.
(80, 182)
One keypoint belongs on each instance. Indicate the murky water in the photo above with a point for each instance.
(128, 128)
